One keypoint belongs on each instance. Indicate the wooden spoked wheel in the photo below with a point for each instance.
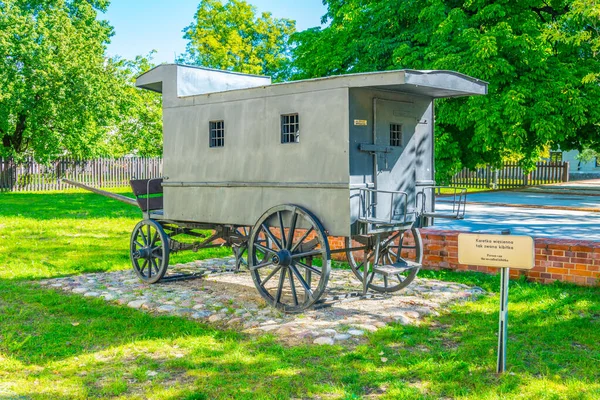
(400, 246)
(289, 258)
(149, 251)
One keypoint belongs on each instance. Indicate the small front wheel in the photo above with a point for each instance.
(149, 251)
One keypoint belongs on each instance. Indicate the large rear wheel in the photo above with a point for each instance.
(289, 258)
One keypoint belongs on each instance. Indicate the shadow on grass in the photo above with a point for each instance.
(49, 206)
(454, 356)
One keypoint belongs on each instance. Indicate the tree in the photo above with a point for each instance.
(231, 37)
(540, 59)
(138, 128)
(53, 77)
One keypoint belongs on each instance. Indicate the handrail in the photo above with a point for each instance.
(459, 199)
(368, 204)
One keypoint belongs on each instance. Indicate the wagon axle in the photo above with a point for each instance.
(283, 258)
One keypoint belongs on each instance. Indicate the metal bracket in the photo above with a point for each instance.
(374, 148)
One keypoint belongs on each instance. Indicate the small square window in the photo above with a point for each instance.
(290, 128)
(217, 133)
(395, 135)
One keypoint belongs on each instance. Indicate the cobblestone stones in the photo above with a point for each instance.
(231, 300)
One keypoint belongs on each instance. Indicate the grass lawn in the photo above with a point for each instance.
(59, 346)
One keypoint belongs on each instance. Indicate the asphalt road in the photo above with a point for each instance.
(568, 211)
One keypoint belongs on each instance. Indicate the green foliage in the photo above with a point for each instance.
(232, 37)
(59, 94)
(52, 76)
(540, 59)
(138, 126)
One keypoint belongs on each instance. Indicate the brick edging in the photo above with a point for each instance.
(566, 260)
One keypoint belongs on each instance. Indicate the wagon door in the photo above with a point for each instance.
(395, 158)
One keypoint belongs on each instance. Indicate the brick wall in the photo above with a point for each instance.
(576, 261)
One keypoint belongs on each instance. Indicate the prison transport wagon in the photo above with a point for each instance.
(275, 169)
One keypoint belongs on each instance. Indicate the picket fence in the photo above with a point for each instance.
(102, 172)
(512, 176)
(110, 172)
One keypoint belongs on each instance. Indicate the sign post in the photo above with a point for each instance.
(503, 320)
(498, 251)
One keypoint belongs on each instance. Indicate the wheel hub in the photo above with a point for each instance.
(282, 258)
(144, 252)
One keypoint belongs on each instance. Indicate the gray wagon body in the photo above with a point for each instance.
(344, 143)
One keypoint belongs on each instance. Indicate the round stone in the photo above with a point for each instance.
(136, 303)
(355, 332)
(201, 314)
(324, 340)
(341, 336)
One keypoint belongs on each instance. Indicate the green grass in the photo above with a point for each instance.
(47, 234)
(59, 346)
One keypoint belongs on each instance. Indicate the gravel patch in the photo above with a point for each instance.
(230, 300)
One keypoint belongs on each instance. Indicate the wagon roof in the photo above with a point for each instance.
(193, 81)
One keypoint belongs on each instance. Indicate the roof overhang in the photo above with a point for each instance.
(191, 80)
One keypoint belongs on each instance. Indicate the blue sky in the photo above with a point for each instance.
(142, 26)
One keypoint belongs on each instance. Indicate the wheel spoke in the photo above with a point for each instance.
(144, 265)
(138, 243)
(262, 283)
(264, 249)
(262, 265)
(143, 237)
(280, 287)
(293, 289)
(302, 239)
(283, 240)
(304, 284)
(390, 239)
(153, 261)
(290, 240)
(148, 231)
(307, 267)
(270, 235)
(306, 254)
(154, 238)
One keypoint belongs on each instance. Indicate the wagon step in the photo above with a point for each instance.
(444, 216)
(396, 268)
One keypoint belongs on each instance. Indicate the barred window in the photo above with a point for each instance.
(395, 135)
(290, 128)
(217, 133)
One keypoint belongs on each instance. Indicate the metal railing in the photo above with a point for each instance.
(457, 197)
(369, 206)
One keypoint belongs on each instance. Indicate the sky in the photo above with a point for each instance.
(145, 25)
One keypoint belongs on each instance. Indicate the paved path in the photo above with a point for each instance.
(538, 198)
(569, 210)
(536, 222)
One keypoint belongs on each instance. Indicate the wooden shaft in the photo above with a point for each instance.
(121, 198)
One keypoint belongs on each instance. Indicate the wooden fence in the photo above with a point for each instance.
(512, 176)
(102, 172)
